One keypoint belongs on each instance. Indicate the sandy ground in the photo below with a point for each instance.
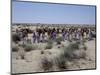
(32, 61)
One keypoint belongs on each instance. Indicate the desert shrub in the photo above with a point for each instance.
(61, 62)
(78, 42)
(29, 47)
(74, 46)
(73, 51)
(83, 55)
(84, 40)
(68, 52)
(78, 54)
(46, 64)
(50, 41)
(15, 49)
(22, 56)
(59, 39)
(15, 38)
(49, 44)
(85, 48)
(42, 52)
(21, 53)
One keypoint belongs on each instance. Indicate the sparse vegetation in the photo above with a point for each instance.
(15, 49)
(42, 52)
(29, 47)
(69, 51)
(84, 47)
(58, 40)
(22, 56)
(84, 40)
(74, 46)
(73, 51)
(83, 55)
(51, 54)
(50, 41)
(49, 44)
(61, 62)
(46, 64)
(15, 38)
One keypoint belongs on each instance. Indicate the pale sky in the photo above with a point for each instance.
(32, 12)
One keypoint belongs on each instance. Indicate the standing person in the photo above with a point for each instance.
(34, 36)
(66, 36)
(78, 35)
(75, 33)
(38, 37)
(46, 37)
(85, 35)
(53, 35)
(70, 34)
(49, 33)
(87, 32)
(29, 39)
(25, 36)
(42, 37)
(63, 35)
(38, 34)
(90, 35)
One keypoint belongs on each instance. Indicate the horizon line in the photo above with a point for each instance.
(54, 23)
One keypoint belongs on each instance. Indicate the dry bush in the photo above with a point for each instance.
(46, 64)
(61, 62)
(15, 49)
(49, 44)
(79, 54)
(73, 51)
(15, 37)
(42, 52)
(50, 41)
(21, 53)
(22, 56)
(74, 46)
(85, 48)
(69, 51)
(84, 40)
(59, 39)
(29, 47)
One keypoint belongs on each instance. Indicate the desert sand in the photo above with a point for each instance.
(32, 61)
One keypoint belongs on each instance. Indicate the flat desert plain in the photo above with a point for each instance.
(74, 55)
